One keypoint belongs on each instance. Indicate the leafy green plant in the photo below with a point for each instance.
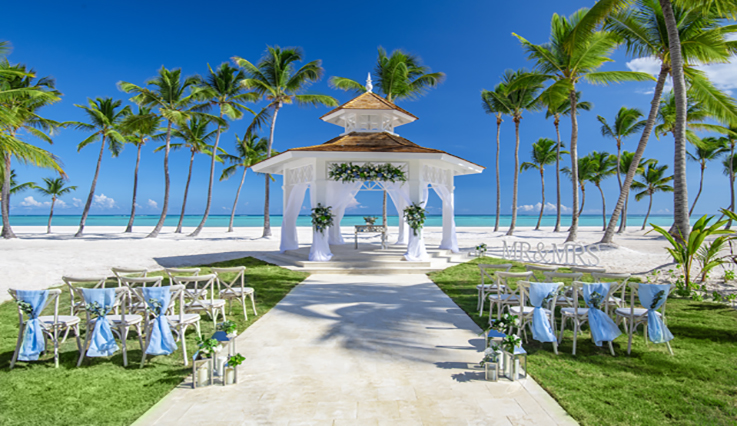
(505, 323)
(510, 342)
(228, 327)
(731, 298)
(697, 297)
(208, 347)
(717, 296)
(728, 275)
(708, 256)
(236, 360)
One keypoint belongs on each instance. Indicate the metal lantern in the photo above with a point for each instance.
(491, 370)
(513, 361)
(495, 337)
(230, 376)
(202, 371)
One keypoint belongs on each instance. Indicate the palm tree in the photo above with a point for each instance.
(576, 51)
(168, 94)
(709, 149)
(603, 165)
(275, 78)
(696, 113)
(498, 109)
(730, 169)
(626, 123)
(584, 176)
(196, 137)
(138, 129)
(21, 98)
(625, 163)
(523, 98)
(16, 187)
(54, 188)
(105, 119)
(652, 180)
(250, 150)
(680, 39)
(555, 107)
(543, 154)
(223, 89)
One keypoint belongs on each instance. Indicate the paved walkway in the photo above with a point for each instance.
(371, 349)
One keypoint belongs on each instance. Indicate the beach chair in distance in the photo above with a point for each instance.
(484, 289)
(74, 282)
(504, 296)
(200, 297)
(531, 292)
(235, 288)
(619, 284)
(137, 303)
(540, 268)
(652, 303)
(51, 325)
(130, 273)
(565, 299)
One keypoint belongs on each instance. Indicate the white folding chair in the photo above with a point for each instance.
(200, 297)
(178, 322)
(235, 288)
(540, 268)
(77, 305)
(128, 273)
(525, 312)
(565, 299)
(52, 326)
(137, 303)
(484, 289)
(591, 270)
(181, 272)
(504, 296)
(634, 316)
(120, 324)
(579, 315)
(619, 284)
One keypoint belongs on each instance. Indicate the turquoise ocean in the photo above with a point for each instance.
(349, 220)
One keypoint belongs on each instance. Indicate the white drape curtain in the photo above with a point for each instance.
(289, 240)
(399, 193)
(416, 250)
(450, 240)
(320, 249)
(340, 195)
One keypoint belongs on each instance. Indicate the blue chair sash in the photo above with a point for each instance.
(541, 329)
(652, 297)
(161, 341)
(102, 341)
(603, 329)
(33, 336)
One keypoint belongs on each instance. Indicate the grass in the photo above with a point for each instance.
(102, 391)
(697, 386)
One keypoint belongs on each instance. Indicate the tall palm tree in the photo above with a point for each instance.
(696, 113)
(21, 98)
(517, 100)
(54, 188)
(603, 165)
(556, 108)
(16, 187)
(195, 136)
(105, 119)
(585, 175)
(223, 88)
(626, 123)
(680, 39)
(543, 154)
(250, 150)
(138, 129)
(626, 161)
(275, 78)
(652, 180)
(169, 94)
(575, 52)
(498, 109)
(709, 149)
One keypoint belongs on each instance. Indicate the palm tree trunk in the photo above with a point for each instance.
(603, 207)
(88, 204)
(235, 203)
(624, 193)
(129, 228)
(623, 222)
(516, 177)
(701, 185)
(197, 230)
(186, 192)
(573, 231)
(383, 212)
(680, 188)
(650, 206)
(731, 182)
(542, 205)
(267, 219)
(557, 176)
(583, 201)
(5, 203)
(51, 214)
(498, 184)
(167, 184)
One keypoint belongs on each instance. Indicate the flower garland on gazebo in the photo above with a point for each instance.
(349, 172)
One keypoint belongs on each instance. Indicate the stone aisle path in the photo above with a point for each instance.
(368, 350)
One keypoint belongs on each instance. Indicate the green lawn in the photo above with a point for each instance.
(102, 391)
(697, 386)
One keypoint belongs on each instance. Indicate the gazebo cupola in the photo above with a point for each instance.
(368, 113)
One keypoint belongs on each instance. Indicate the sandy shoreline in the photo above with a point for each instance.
(36, 260)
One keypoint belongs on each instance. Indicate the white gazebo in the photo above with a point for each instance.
(369, 123)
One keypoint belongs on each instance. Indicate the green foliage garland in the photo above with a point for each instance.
(322, 218)
(415, 216)
(349, 172)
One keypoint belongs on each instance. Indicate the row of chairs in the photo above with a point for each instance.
(193, 293)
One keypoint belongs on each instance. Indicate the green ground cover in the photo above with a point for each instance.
(697, 386)
(102, 391)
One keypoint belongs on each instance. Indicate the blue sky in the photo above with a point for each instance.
(90, 46)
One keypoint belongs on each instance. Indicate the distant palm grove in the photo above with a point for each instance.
(176, 111)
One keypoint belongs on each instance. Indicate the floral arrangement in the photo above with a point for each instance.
(656, 299)
(322, 218)
(208, 347)
(229, 327)
(596, 300)
(491, 354)
(370, 220)
(505, 323)
(235, 360)
(481, 249)
(349, 172)
(510, 342)
(95, 308)
(25, 307)
(415, 216)
(155, 305)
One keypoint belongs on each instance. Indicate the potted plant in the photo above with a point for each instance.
(491, 362)
(229, 327)
(481, 250)
(231, 376)
(370, 220)
(203, 362)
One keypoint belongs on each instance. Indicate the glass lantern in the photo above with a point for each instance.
(230, 375)
(494, 336)
(491, 370)
(202, 371)
(513, 364)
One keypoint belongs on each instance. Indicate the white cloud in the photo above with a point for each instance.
(76, 202)
(31, 202)
(549, 208)
(152, 204)
(724, 76)
(103, 202)
(663, 211)
(61, 204)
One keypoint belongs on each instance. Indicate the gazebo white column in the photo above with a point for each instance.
(418, 193)
(320, 249)
(297, 179)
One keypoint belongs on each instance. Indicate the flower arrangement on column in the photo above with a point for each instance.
(415, 216)
(322, 218)
(349, 172)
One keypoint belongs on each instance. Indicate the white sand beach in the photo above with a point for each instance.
(36, 260)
